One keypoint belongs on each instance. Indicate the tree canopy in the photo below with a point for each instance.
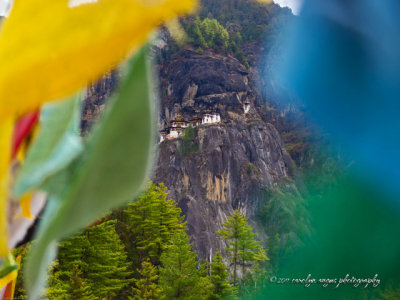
(244, 249)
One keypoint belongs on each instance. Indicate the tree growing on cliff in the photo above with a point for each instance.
(243, 247)
(188, 141)
(208, 33)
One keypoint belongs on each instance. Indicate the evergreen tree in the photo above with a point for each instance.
(146, 286)
(196, 35)
(250, 249)
(107, 264)
(244, 249)
(67, 278)
(57, 287)
(208, 33)
(256, 280)
(219, 278)
(67, 284)
(90, 265)
(151, 222)
(179, 277)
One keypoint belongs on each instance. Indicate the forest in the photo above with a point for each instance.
(227, 26)
(143, 251)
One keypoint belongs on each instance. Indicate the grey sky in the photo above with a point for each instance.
(295, 5)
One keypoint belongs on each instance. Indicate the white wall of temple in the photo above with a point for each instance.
(206, 119)
(174, 133)
(211, 118)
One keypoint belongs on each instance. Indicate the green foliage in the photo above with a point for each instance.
(252, 284)
(228, 25)
(159, 263)
(91, 265)
(57, 287)
(95, 188)
(179, 277)
(150, 224)
(208, 33)
(283, 216)
(67, 284)
(188, 141)
(249, 168)
(389, 292)
(244, 249)
(107, 264)
(146, 286)
(240, 56)
(254, 19)
(219, 278)
(67, 280)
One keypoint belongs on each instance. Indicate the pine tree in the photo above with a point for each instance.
(107, 264)
(90, 265)
(219, 278)
(250, 249)
(56, 287)
(151, 222)
(67, 277)
(67, 284)
(146, 286)
(179, 277)
(243, 247)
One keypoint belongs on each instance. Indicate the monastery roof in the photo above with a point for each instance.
(210, 112)
(178, 118)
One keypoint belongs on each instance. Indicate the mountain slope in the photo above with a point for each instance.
(231, 162)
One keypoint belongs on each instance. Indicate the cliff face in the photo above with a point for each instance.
(193, 82)
(95, 101)
(230, 162)
(219, 167)
(234, 160)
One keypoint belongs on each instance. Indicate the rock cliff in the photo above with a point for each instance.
(224, 166)
(230, 162)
